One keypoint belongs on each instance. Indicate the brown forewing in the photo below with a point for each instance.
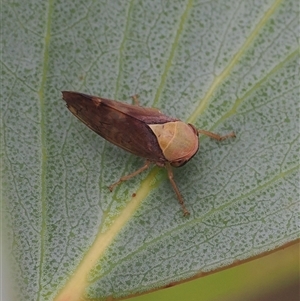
(122, 124)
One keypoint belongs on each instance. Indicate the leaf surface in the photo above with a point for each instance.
(223, 66)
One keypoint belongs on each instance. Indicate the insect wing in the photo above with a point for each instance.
(122, 124)
(147, 115)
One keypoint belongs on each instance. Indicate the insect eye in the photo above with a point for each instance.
(178, 162)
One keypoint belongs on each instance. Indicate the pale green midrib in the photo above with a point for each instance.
(255, 87)
(226, 72)
(172, 52)
(281, 175)
(41, 93)
(121, 49)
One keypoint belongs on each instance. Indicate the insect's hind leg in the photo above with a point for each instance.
(127, 177)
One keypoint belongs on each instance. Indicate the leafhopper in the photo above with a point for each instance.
(145, 132)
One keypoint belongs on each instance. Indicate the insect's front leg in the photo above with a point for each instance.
(127, 177)
(179, 196)
(216, 136)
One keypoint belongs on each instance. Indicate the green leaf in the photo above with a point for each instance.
(223, 66)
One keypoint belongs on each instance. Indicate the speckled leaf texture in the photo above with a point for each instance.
(221, 65)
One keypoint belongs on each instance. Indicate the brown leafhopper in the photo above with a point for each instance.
(145, 132)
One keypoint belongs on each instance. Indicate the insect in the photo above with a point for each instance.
(145, 132)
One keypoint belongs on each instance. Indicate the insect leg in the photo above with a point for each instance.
(135, 99)
(179, 196)
(127, 177)
(216, 136)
